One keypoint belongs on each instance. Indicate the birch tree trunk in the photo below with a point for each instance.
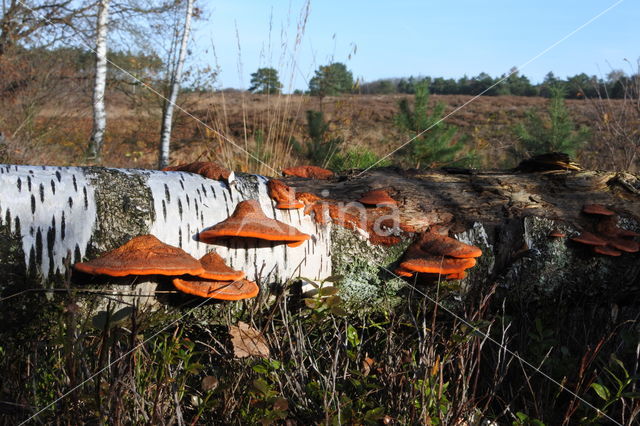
(167, 117)
(99, 113)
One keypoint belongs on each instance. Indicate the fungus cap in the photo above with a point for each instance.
(457, 276)
(377, 197)
(417, 260)
(249, 221)
(598, 209)
(628, 246)
(589, 239)
(607, 251)
(557, 234)
(143, 255)
(283, 194)
(216, 269)
(223, 290)
(442, 245)
(208, 169)
(400, 271)
(313, 172)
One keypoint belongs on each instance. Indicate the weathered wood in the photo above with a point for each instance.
(48, 212)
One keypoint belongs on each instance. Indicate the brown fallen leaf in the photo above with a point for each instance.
(247, 341)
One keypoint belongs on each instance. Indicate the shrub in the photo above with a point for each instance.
(553, 131)
(435, 142)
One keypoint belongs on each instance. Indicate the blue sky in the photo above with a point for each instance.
(377, 39)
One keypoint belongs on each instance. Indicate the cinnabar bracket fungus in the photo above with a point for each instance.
(223, 290)
(309, 172)
(143, 255)
(249, 221)
(283, 194)
(216, 269)
(377, 197)
(608, 239)
(218, 281)
(438, 254)
(208, 169)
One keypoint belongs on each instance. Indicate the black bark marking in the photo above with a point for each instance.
(33, 204)
(29, 183)
(196, 206)
(180, 208)
(204, 190)
(70, 202)
(39, 247)
(63, 226)
(164, 210)
(17, 221)
(86, 200)
(51, 241)
(181, 184)
(59, 176)
(41, 190)
(53, 187)
(77, 255)
(180, 237)
(19, 183)
(167, 194)
(213, 190)
(188, 201)
(75, 183)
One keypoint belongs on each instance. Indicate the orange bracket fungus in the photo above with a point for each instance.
(312, 172)
(223, 290)
(216, 269)
(207, 169)
(609, 240)
(283, 194)
(442, 245)
(249, 221)
(439, 254)
(377, 197)
(143, 255)
(597, 209)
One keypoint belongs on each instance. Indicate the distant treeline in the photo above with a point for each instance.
(576, 87)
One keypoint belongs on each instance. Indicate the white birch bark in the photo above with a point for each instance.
(99, 111)
(167, 117)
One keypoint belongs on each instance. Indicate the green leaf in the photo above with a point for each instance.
(261, 386)
(312, 303)
(333, 278)
(333, 301)
(99, 320)
(328, 291)
(260, 369)
(602, 391)
(339, 311)
(374, 415)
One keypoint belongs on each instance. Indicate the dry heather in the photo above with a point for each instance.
(262, 125)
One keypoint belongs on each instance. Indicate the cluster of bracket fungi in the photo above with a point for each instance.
(210, 277)
(606, 238)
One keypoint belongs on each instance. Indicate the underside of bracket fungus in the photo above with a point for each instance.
(223, 290)
(283, 194)
(208, 169)
(377, 197)
(311, 172)
(249, 221)
(143, 255)
(433, 253)
(607, 239)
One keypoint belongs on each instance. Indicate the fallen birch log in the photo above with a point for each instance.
(52, 217)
